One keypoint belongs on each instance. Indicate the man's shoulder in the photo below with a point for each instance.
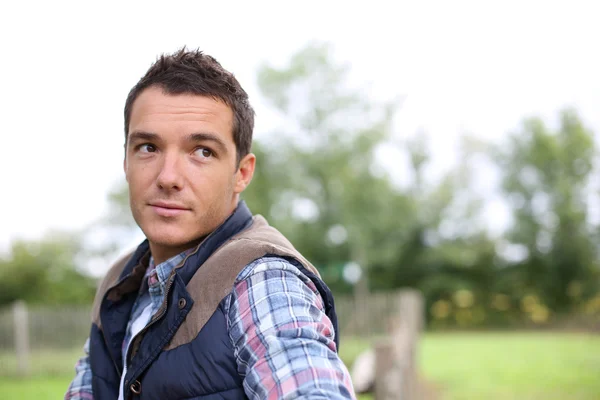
(271, 263)
(109, 280)
(261, 241)
(260, 231)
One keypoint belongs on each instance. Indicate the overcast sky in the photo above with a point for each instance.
(463, 66)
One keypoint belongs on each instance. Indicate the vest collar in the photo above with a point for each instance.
(240, 219)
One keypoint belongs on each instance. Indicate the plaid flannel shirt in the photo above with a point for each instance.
(282, 339)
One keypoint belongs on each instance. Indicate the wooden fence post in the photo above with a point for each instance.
(388, 371)
(21, 325)
(396, 359)
(411, 320)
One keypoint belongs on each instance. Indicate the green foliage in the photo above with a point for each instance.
(324, 164)
(44, 272)
(429, 235)
(548, 176)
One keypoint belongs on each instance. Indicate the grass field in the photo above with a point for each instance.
(506, 366)
(514, 366)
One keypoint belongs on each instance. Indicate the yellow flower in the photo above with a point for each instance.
(440, 309)
(529, 302)
(464, 298)
(539, 313)
(501, 302)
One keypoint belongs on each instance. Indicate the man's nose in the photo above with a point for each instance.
(170, 176)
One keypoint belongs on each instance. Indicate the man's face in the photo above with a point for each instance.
(181, 167)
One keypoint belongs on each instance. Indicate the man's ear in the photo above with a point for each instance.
(244, 173)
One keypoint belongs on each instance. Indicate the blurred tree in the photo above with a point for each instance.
(449, 248)
(547, 177)
(317, 183)
(322, 186)
(44, 272)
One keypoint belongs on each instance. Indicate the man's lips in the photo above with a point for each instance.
(167, 209)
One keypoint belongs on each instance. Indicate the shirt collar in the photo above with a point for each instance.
(160, 273)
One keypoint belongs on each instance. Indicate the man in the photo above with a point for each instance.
(215, 303)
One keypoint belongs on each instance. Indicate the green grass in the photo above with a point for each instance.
(506, 366)
(39, 388)
(463, 366)
(42, 362)
(513, 365)
(51, 373)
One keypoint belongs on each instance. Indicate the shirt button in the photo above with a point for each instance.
(182, 303)
(136, 387)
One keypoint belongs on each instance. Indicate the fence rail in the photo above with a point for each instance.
(67, 327)
(24, 329)
(46, 327)
(367, 317)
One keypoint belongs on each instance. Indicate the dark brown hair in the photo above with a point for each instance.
(193, 72)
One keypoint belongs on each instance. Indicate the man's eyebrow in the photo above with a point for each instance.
(208, 137)
(141, 135)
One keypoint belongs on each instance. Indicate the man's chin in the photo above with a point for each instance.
(167, 241)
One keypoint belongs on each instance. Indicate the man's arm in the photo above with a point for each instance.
(81, 386)
(283, 340)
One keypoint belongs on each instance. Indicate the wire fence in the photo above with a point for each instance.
(67, 327)
(47, 327)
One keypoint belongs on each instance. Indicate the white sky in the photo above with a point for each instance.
(67, 67)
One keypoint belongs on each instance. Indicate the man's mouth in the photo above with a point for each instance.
(168, 209)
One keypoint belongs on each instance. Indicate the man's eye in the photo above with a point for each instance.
(203, 152)
(147, 148)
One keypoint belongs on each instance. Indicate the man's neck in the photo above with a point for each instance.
(163, 253)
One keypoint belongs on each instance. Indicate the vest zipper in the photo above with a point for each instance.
(163, 307)
(158, 315)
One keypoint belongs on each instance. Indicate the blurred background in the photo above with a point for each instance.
(450, 148)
